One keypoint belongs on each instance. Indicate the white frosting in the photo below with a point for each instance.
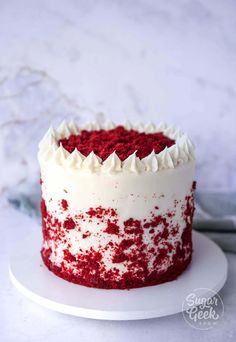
(88, 126)
(60, 156)
(63, 130)
(72, 127)
(150, 128)
(151, 162)
(112, 164)
(75, 159)
(133, 164)
(187, 146)
(178, 154)
(165, 160)
(48, 140)
(133, 187)
(139, 127)
(161, 127)
(127, 125)
(92, 162)
(132, 194)
(108, 125)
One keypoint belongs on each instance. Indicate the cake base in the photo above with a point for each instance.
(32, 278)
(153, 279)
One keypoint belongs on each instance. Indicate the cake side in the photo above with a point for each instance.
(113, 223)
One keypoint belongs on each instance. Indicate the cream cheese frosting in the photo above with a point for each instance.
(154, 192)
(180, 153)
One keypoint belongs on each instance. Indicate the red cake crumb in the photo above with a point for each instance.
(100, 212)
(69, 223)
(112, 228)
(188, 216)
(68, 256)
(43, 209)
(64, 204)
(155, 222)
(85, 235)
(124, 142)
(126, 243)
(46, 234)
(119, 257)
(132, 226)
(133, 251)
(162, 254)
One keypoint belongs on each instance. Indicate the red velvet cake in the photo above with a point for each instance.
(117, 204)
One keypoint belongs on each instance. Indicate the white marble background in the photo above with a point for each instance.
(141, 60)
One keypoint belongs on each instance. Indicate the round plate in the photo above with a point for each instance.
(28, 273)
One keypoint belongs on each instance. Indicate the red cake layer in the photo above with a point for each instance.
(89, 269)
(124, 142)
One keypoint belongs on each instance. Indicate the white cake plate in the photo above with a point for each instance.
(28, 273)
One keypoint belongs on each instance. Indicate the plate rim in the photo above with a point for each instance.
(106, 314)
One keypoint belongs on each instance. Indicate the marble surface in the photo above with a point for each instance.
(142, 60)
(22, 320)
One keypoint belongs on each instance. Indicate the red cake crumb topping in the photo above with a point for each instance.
(126, 243)
(69, 223)
(188, 215)
(68, 256)
(100, 212)
(85, 235)
(155, 222)
(112, 228)
(124, 142)
(88, 266)
(64, 204)
(132, 226)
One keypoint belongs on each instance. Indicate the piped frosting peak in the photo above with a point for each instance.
(75, 159)
(151, 162)
(92, 162)
(50, 151)
(112, 164)
(133, 164)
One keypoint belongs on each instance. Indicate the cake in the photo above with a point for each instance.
(117, 203)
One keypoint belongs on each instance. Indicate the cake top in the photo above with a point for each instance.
(120, 140)
(116, 148)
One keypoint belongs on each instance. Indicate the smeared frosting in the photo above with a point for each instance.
(180, 153)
